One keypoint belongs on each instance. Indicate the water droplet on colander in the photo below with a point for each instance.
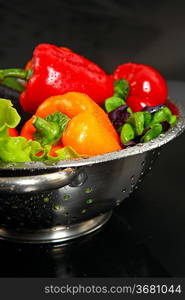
(118, 202)
(66, 214)
(57, 207)
(124, 190)
(46, 199)
(132, 178)
(89, 201)
(142, 173)
(88, 190)
(14, 206)
(149, 168)
(67, 197)
(143, 163)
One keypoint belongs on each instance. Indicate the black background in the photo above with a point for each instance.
(111, 32)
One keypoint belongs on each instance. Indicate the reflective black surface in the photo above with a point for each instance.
(146, 235)
(115, 251)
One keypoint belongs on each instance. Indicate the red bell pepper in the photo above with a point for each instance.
(147, 86)
(12, 132)
(55, 71)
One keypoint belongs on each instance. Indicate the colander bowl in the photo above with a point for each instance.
(41, 203)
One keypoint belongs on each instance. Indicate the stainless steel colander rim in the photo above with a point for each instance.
(173, 132)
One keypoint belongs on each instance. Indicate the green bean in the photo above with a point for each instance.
(167, 111)
(113, 103)
(162, 115)
(159, 116)
(129, 110)
(173, 119)
(127, 133)
(137, 121)
(152, 133)
(147, 118)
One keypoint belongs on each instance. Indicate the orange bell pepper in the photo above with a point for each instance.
(88, 136)
(89, 119)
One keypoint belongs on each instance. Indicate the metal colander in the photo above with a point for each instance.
(57, 202)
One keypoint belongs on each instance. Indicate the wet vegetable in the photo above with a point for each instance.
(50, 129)
(147, 86)
(121, 88)
(127, 133)
(154, 132)
(137, 121)
(64, 153)
(9, 117)
(113, 103)
(18, 149)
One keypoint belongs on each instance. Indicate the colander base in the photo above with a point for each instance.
(58, 233)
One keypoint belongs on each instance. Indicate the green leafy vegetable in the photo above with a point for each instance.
(18, 149)
(64, 153)
(9, 118)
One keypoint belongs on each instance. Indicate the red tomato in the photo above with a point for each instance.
(147, 86)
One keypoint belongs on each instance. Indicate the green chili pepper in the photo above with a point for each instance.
(152, 133)
(137, 121)
(121, 88)
(50, 129)
(127, 133)
(9, 118)
(113, 103)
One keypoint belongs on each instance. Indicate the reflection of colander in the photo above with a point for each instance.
(52, 203)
